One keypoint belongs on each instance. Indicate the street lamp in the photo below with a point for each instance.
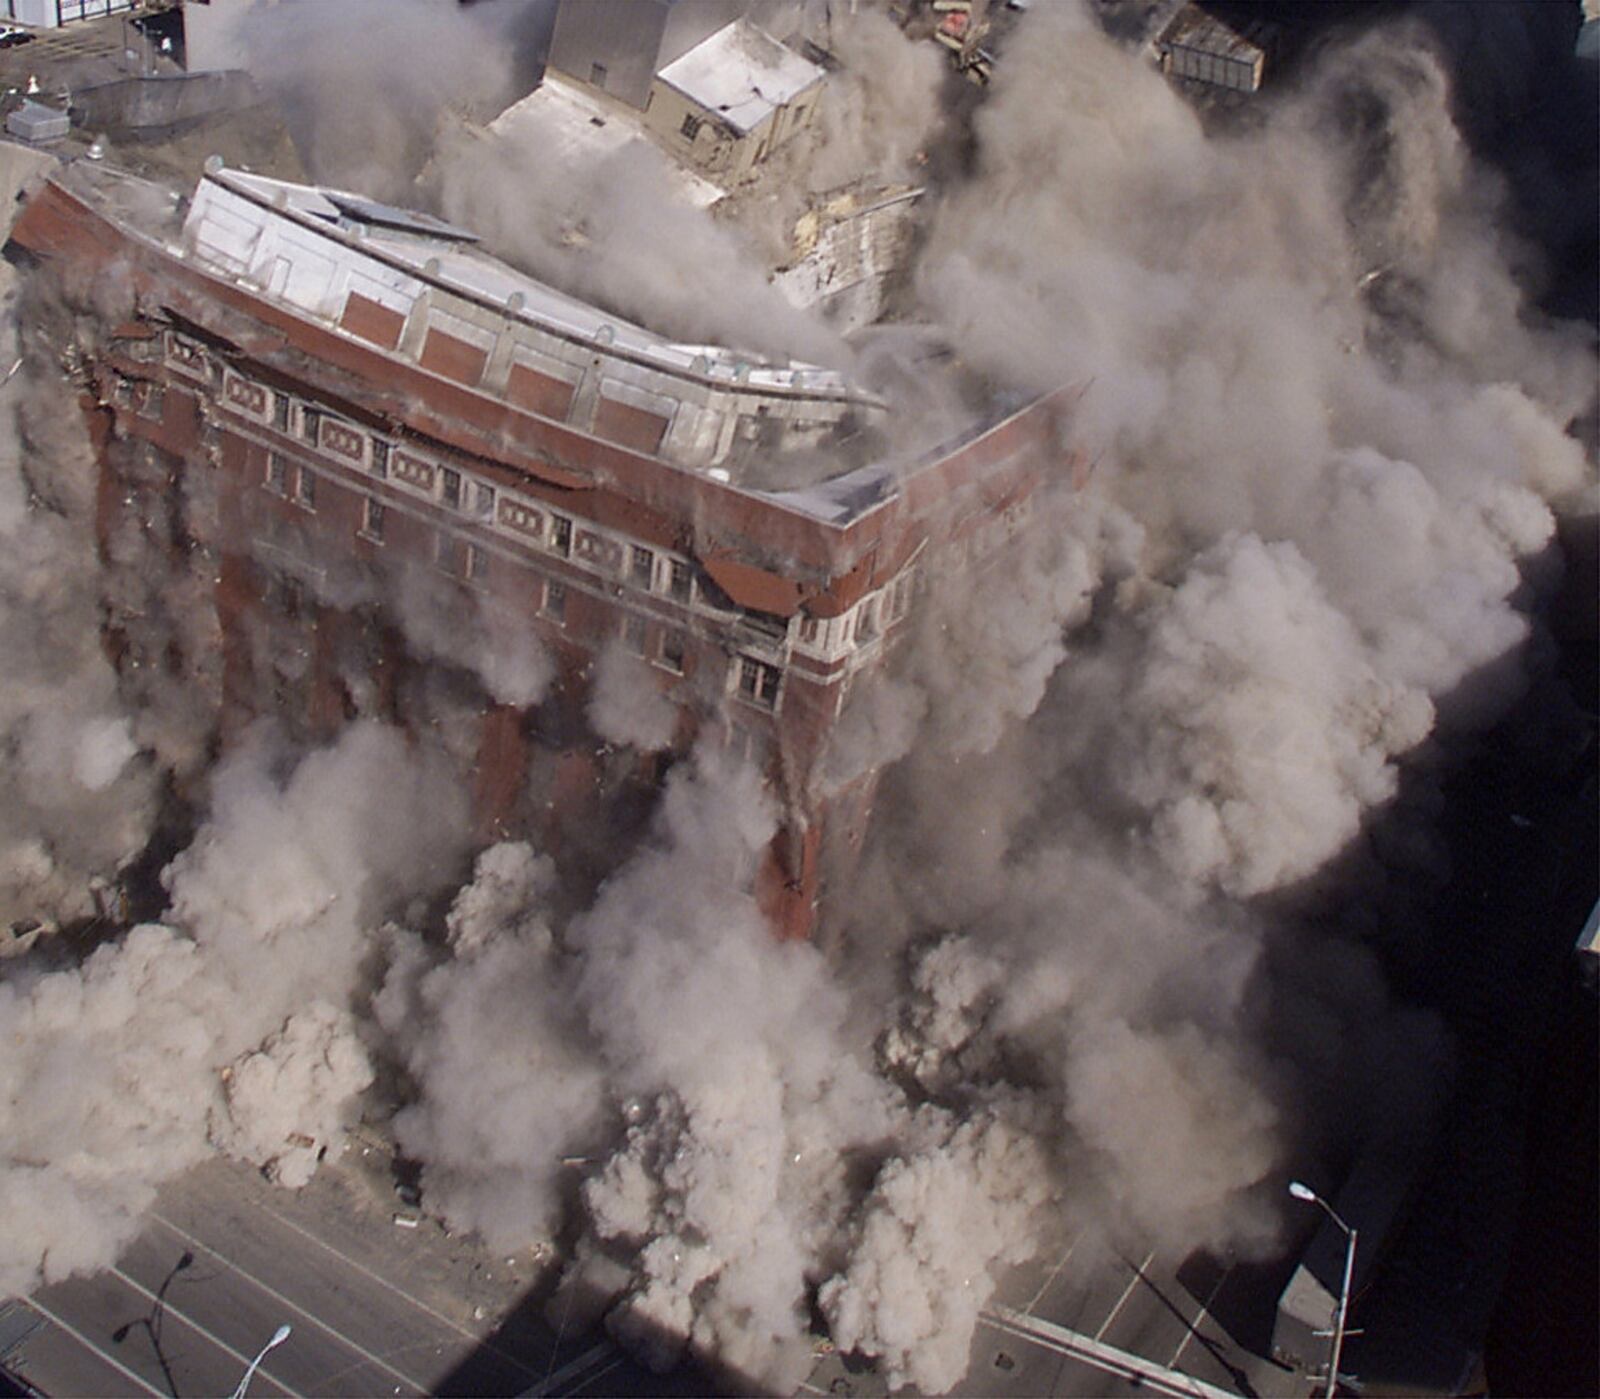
(278, 1338)
(1306, 1193)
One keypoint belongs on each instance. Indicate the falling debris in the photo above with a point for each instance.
(496, 618)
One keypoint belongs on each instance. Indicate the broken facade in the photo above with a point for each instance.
(332, 416)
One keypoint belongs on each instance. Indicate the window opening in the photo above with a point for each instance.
(372, 520)
(447, 553)
(450, 487)
(561, 535)
(758, 681)
(644, 568)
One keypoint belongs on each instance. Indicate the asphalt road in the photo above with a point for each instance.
(225, 1258)
(377, 1308)
(1078, 1320)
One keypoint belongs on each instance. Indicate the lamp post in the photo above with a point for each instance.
(1305, 1192)
(278, 1338)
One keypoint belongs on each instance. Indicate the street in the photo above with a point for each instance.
(380, 1307)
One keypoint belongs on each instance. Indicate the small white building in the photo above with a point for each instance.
(733, 99)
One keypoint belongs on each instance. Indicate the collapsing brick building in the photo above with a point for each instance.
(322, 403)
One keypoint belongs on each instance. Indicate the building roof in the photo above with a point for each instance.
(742, 74)
(371, 213)
(447, 262)
(561, 118)
(1195, 28)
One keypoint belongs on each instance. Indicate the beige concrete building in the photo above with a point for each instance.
(733, 99)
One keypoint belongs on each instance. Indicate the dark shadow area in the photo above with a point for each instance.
(1241, 1381)
(527, 1354)
(1244, 1302)
(151, 1324)
(1545, 1335)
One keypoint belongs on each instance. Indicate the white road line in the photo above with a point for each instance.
(167, 1309)
(1127, 1292)
(1111, 1360)
(597, 1376)
(93, 1349)
(1055, 1272)
(310, 1316)
(590, 1358)
(1200, 1316)
(478, 1341)
(361, 1268)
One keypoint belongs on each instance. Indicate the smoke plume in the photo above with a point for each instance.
(1330, 435)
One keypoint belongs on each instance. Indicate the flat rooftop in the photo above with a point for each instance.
(742, 74)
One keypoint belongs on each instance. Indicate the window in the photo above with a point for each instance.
(447, 553)
(867, 622)
(809, 626)
(122, 395)
(277, 474)
(644, 568)
(672, 650)
(691, 126)
(636, 633)
(310, 420)
(561, 535)
(483, 500)
(758, 681)
(380, 458)
(597, 74)
(155, 402)
(682, 581)
(306, 489)
(555, 601)
(280, 411)
(450, 487)
(372, 519)
(477, 563)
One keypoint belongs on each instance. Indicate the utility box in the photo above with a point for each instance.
(36, 123)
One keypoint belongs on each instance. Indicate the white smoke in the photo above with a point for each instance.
(76, 800)
(226, 1028)
(627, 704)
(1332, 435)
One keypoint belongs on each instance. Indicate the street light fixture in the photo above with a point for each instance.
(278, 1338)
(1306, 1193)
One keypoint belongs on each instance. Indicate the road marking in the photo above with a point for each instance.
(1055, 1272)
(310, 1316)
(1172, 1383)
(1127, 1292)
(605, 1350)
(478, 1341)
(598, 1375)
(93, 1349)
(1200, 1316)
(167, 1309)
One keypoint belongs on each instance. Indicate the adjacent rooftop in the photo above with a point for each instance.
(742, 74)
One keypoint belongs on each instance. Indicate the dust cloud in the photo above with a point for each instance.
(1330, 435)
